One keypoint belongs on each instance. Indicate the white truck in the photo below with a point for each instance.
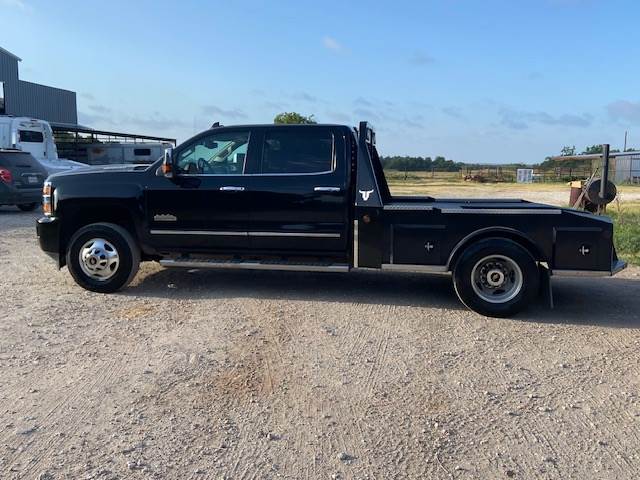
(36, 137)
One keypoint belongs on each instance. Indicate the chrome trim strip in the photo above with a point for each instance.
(253, 174)
(255, 266)
(355, 243)
(408, 206)
(334, 164)
(415, 268)
(294, 234)
(581, 273)
(505, 211)
(215, 233)
(218, 233)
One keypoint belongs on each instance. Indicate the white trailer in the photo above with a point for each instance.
(34, 136)
(125, 152)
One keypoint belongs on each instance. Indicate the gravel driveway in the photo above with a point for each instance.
(251, 375)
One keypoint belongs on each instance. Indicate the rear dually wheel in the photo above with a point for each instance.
(496, 277)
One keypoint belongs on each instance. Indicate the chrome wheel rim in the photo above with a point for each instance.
(496, 279)
(99, 259)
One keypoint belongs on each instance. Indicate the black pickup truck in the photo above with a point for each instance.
(310, 198)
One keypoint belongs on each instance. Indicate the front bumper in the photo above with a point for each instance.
(48, 230)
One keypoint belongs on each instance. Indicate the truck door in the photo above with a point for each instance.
(206, 206)
(300, 193)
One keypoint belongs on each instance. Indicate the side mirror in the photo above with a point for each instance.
(167, 163)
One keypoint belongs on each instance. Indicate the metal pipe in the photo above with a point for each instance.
(605, 170)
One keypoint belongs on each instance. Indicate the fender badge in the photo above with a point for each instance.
(365, 194)
(165, 217)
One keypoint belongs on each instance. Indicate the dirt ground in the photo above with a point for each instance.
(252, 375)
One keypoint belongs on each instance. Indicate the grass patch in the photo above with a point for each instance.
(626, 218)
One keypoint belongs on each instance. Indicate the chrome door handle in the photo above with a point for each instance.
(232, 189)
(326, 189)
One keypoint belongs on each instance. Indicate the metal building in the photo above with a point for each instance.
(626, 169)
(27, 99)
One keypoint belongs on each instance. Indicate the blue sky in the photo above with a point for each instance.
(476, 81)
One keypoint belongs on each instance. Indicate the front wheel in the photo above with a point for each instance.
(496, 277)
(103, 257)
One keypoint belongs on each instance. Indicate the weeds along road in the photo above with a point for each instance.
(247, 375)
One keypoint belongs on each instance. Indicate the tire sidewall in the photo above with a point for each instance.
(463, 279)
(116, 236)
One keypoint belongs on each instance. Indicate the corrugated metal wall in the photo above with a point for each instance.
(47, 103)
(9, 76)
(627, 169)
(34, 100)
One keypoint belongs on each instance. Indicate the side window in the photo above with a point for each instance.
(222, 153)
(304, 150)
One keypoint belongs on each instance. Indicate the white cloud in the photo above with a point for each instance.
(232, 114)
(332, 44)
(15, 4)
(625, 110)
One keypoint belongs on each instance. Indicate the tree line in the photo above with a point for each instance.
(416, 164)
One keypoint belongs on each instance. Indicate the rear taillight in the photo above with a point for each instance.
(47, 206)
(5, 175)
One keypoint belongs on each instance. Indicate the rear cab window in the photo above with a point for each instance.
(298, 151)
(31, 136)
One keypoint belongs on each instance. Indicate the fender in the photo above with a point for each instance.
(521, 237)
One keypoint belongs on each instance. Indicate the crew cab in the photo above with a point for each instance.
(311, 198)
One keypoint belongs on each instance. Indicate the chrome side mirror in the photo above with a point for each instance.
(167, 163)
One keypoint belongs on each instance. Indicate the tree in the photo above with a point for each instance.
(567, 150)
(293, 117)
(593, 149)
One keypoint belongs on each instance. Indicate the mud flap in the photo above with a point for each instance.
(546, 289)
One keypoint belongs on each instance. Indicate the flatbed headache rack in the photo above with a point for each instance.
(72, 140)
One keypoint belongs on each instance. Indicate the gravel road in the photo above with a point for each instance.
(251, 375)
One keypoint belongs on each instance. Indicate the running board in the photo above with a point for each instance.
(255, 265)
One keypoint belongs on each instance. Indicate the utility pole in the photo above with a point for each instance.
(625, 141)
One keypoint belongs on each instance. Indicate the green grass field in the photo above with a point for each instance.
(626, 217)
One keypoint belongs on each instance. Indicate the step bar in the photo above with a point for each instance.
(254, 265)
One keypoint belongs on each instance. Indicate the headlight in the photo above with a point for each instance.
(47, 206)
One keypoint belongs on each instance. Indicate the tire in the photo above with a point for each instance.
(496, 277)
(28, 207)
(102, 271)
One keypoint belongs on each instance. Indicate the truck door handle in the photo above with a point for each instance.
(232, 189)
(326, 189)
